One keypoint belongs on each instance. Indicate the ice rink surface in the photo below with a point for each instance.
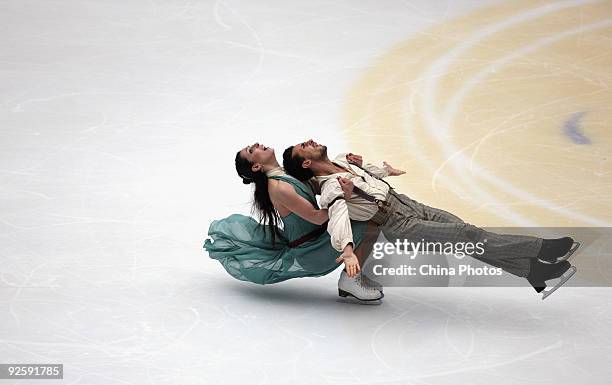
(119, 125)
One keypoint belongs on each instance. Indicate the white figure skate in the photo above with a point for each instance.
(370, 283)
(351, 289)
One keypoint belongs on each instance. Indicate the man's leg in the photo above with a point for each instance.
(428, 213)
(512, 253)
(516, 254)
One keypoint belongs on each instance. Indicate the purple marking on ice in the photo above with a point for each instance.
(571, 128)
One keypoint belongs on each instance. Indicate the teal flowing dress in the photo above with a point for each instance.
(247, 253)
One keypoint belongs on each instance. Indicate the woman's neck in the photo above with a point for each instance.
(271, 167)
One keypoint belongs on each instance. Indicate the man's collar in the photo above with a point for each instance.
(325, 177)
(339, 160)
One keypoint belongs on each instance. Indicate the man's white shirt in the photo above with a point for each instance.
(357, 208)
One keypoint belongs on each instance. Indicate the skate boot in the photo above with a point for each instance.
(541, 272)
(367, 282)
(557, 250)
(353, 289)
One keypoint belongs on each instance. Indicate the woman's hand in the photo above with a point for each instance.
(392, 171)
(351, 263)
(347, 187)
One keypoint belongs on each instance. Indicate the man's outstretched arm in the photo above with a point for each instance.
(381, 172)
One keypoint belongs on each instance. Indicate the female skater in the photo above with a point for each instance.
(263, 253)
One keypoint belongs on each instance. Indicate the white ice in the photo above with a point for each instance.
(118, 124)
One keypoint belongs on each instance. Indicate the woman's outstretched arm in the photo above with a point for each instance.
(284, 194)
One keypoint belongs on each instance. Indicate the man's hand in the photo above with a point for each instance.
(392, 171)
(347, 187)
(355, 159)
(351, 263)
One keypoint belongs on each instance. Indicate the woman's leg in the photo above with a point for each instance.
(364, 250)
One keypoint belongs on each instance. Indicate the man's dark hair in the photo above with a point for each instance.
(293, 165)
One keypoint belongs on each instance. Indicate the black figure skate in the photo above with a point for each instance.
(557, 250)
(541, 272)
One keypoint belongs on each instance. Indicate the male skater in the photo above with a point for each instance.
(399, 216)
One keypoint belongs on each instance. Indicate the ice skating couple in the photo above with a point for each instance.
(356, 203)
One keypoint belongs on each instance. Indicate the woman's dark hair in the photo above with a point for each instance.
(293, 165)
(268, 216)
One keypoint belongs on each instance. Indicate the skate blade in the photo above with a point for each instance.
(347, 297)
(571, 251)
(562, 280)
(355, 301)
